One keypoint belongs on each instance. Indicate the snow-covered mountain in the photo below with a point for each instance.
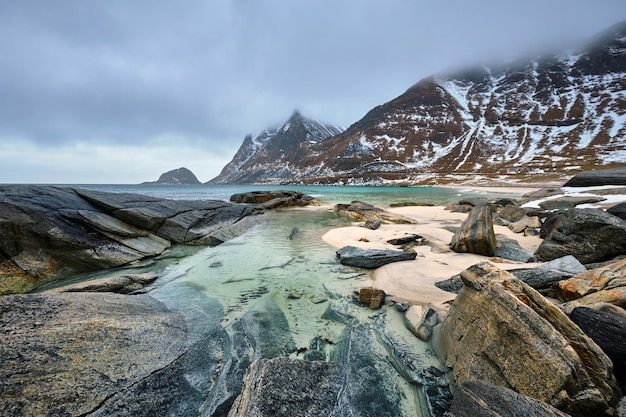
(273, 155)
(557, 113)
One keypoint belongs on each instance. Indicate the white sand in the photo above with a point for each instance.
(413, 281)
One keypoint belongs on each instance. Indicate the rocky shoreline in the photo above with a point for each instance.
(96, 350)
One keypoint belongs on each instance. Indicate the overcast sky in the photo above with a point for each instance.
(120, 91)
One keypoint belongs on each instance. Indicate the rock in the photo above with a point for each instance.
(477, 398)
(615, 296)
(51, 232)
(453, 284)
(372, 224)
(421, 320)
(476, 234)
(591, 235)
(510, 249)
(514, 213)
(289, 387)
(371, 258)
(620, 410)
(524, 223)
(411, 204)
(609, 332)
(608, 277)
(180, 176)
(612, 176)
(544, 275)
(541, 194)
(363, 212)
(407, 240)
(65, 354)
(569, 202)
(121, 284)
(274, 199)
(502, 332)
(371, 297)
(618, 210)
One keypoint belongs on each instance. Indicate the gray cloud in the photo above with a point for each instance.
(209, 72)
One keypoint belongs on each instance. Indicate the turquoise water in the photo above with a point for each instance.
(327, 194)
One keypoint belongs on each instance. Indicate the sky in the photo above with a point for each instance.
(120, 91)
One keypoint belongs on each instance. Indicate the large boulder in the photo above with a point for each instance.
(544, 275)
(612, 176)
(618, 210)
(607, 277)
(371, 258)
(274, 199)
(477, 398)
(476, 234)
(591, 235)
(49, 232)
(501, 331)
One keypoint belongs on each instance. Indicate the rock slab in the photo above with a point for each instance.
(371, 258)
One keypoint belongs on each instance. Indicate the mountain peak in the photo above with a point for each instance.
(176, 177)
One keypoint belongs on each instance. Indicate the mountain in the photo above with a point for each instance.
(176, 177)
(551, 115)
(274, 154)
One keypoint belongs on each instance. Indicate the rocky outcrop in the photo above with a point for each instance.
(180, 176)
(476, 234)
(365, 212)
(371, 258)
(274, 199)
(592, 178)
(120, 284)
(503, 332)
(591, 235)
(477, 398)
(66, 354)
(51, 232)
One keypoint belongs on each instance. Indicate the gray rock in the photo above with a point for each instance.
(371, 258)
(274, 199)
(363, 212)
(544, 275)
(569, 202)
(612, 176)
(620, 410)
(452, 284)
(524, 223)
(476, 398)
(65, 354)
(618, 210)
(421, 320)
(590, 235)
(121, 284)
(476, 234)
(510, 249)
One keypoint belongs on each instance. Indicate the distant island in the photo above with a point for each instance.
(180, 176)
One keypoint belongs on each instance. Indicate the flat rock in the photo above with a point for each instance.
(274, 199)
(503, 332)
(363, 212)
(612, 176)
(55, 360)
(569, 202)
(371, 258)
(608, 277)
(120, 284)
(591, 235)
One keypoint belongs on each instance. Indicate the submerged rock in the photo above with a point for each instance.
(503, 332)
(364, 212)
(476, 234)
(274, 199)
(371, 258)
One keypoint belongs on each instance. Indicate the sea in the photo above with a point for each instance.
(285, 261)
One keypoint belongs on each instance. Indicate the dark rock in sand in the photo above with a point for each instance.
(371, 258)
(609, 332)
(372, 224)
(274, 199)
(476, 398)
(476, 234)
(612, 176)
(501, 331)
(544, 275)
(371, 297)
(50, 232)
(510, 249)
(618, 210)
(591, 235)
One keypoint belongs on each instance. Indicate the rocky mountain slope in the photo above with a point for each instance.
(554, 114)
(273, 155)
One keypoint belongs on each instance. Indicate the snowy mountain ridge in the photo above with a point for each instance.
(555, 114)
